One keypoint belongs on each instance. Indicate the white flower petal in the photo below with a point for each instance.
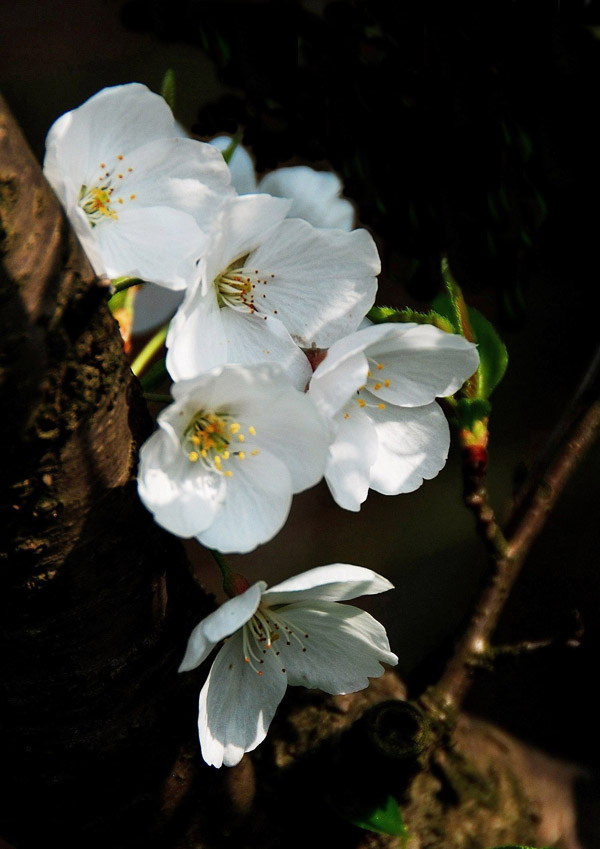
(112, 123)
(345, 647)
(251, 339)
(243, 225)
(236, 704)
(255, 507)
(221, 623)
(336, 582)
(181, 173)
(413, 446)
(196, 339)
(241, 166)
(337, 378)
(158, 244)
(291, 428)
(324, 280)
(315, 194)
(421, 363)
(351, 455)
(182, 499)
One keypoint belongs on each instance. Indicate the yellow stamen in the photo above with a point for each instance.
(379, 366)
(241, 455)
(228, 473)
(241, 437)
(193, 456)
(381, 406)
(361, 402)
(254, 453)
(386, 383)
(377, 386)
(234, 427)
(251, 431)
(226, 455)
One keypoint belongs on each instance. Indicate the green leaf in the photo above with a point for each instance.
(493, 356)
(167, 88)
(386, 819)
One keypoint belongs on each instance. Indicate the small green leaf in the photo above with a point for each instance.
(386, 819)
(167, 88)
(493, 356)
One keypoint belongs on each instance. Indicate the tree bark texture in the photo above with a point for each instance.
(91, 633)
(97, 734)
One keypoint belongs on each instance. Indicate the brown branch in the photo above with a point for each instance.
(507, 556)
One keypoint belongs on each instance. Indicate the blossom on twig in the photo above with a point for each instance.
(377, 388)
(269, 286)
(229, 454)
(295, 633)
(140, 198)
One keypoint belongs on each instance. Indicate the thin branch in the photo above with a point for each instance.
(507, 555)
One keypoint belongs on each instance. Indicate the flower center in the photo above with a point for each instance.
(242, 288)
(375, 380)
(213, 439)
(262, 633)
(98, 200)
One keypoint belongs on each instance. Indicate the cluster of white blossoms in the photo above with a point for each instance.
(273, 278)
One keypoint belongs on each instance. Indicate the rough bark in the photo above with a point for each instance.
(98, 737)
(91, 633)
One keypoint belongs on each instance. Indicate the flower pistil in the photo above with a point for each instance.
(96, 200)
(212, 439)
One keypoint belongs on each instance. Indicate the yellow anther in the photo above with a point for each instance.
(369, 373)
(252, 431)
(228, 473)
(346, 415)
(218, 462)
(361, 402)
(386, 383)
(381, 406)
(241, 455)
(120, 156)
(226, 455)
(131, 197)
(254, 453)
(241, 437)
(120, 200)
(234, 427)
(193, 456)
(377, 386)
(196, 439)
(379, 366)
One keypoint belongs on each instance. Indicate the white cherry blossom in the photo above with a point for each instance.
(295, 633)
(140, 198)
(315, 195)
(269, 286)
(229, 454)
(377, 388)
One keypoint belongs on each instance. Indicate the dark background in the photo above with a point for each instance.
(470, 133)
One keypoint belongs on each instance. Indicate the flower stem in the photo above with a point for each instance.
(148, 351)
(233, 582)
